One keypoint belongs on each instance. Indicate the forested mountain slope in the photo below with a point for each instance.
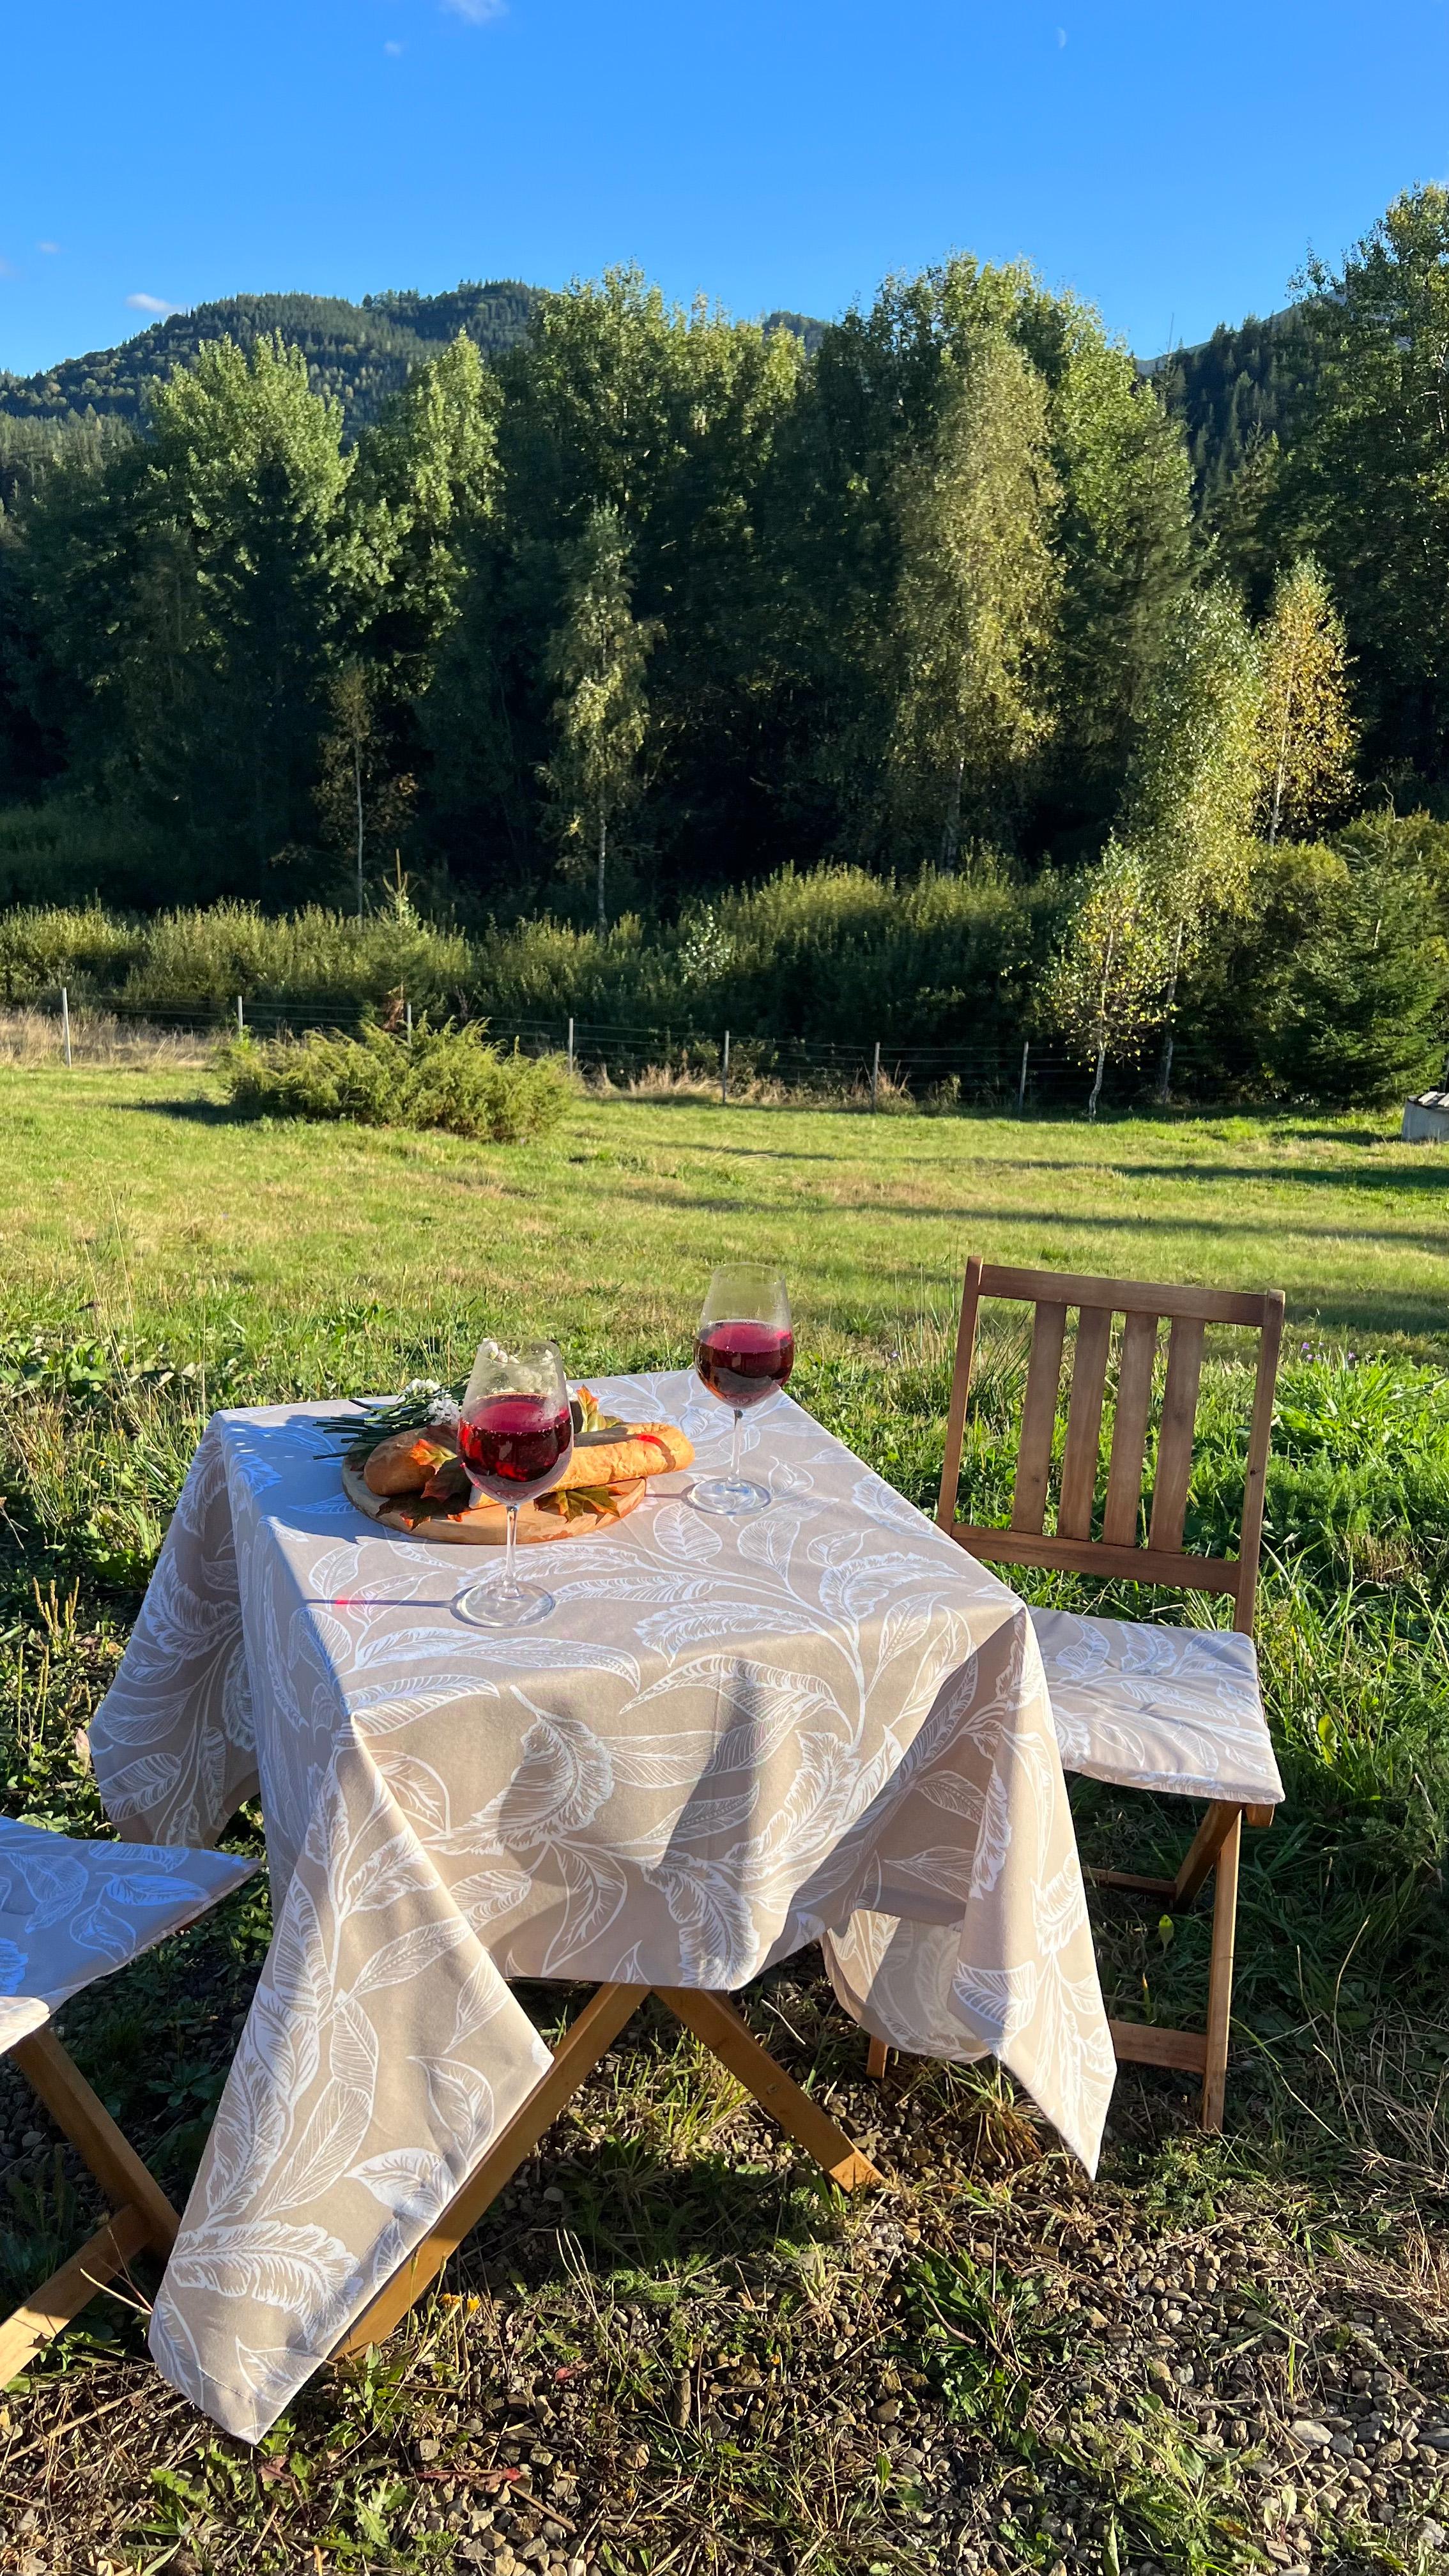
(362, 353)
(1237, 389)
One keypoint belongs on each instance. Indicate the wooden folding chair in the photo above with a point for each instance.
(1169, 1710)
(71, 1912)
(589, 2036)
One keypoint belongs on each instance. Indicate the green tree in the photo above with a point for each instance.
(1194, 782)
(1307, 736)
(1366, 485)
(426, 486)
(201, 628)
(364, 799)
(1105, 988)
(595, 659)
(977, 597)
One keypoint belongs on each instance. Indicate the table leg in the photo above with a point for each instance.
(588, 2036)
(714, 2020)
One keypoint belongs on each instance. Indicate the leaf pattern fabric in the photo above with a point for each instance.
(72, 1911)
(1149, 1707)
(728, 1741)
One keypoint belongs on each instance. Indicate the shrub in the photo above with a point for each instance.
(43, 947)
(449, 1078)
(312, 955)
(1333, 987)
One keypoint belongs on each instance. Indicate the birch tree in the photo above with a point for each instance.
(1195, 781)
(596, 660)
(978, 596)
(1105, 988)
(1307, 735)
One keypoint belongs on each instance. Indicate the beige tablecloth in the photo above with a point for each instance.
(731, 1739)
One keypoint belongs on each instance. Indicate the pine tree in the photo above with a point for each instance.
(1306, 731)
(596, 659)
(977, 598)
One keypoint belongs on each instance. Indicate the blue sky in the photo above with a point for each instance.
(1172, 163)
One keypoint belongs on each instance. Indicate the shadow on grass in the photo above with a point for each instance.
(200, 1113)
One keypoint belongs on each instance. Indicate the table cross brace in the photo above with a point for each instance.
(592, 2032)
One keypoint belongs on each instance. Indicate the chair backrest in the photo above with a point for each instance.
(1118, 1550)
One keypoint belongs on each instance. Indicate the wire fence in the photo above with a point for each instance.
(1003, 1071)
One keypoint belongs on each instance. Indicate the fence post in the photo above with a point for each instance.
(724, 1072)
(65, 1021)
(408, 1011)
(241, 1024)
(1021, 1086)
(571, 1047)
(875, 1078)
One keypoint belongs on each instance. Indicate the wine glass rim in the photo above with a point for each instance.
(757, 1269)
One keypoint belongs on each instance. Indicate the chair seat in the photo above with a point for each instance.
(72, 1911)
(1171, 1709)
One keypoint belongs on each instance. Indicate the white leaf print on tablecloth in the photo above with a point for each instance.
(727, 1740)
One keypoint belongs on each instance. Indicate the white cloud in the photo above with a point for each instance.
(393, 48)
(6, 269)
(1061, 35)
(151, 304)
(51, 249)
(479, 13)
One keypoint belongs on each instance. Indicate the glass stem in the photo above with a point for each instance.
(735, 1450)
(510, 1576)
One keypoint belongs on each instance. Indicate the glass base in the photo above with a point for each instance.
(504, 1605)
(732, 1496)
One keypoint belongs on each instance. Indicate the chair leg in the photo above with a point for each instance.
(1220, 1976)
(876, 2057)
(94, 2135)
(1207, 1842)
(38, 2319)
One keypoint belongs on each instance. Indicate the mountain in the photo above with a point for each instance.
(1240, 387)
(359, 352)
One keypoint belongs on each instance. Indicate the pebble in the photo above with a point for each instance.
(1432, 2535)
(1314, 2437)
(887, 2411)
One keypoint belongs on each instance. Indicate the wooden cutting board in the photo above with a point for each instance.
(488, 1527)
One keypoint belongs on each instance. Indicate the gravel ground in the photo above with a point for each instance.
(667, 2347)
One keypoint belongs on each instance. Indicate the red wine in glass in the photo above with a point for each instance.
(513, 1444)
(516, 1436)
(742, 1362)
(744, 1350)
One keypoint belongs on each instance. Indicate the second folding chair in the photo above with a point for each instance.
(1138, 1704)
(71, 1912)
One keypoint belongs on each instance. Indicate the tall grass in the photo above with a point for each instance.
(834, 956)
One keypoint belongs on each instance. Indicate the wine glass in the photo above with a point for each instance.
(744, 1350)
(516, 1435)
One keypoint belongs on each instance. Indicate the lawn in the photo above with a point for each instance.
(668, 2349)
(137, 1190)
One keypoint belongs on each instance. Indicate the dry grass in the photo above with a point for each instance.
(99, 1039)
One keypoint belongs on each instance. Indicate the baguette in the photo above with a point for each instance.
(642, 1449)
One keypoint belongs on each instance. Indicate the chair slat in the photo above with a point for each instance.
(1129, 1430)
(1174, 1440)
(1084, 1422)
(1125, 1296)
(1038, 1418)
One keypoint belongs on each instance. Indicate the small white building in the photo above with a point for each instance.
(1426, 1120)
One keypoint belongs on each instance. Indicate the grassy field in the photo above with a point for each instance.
(668, 2349)
(139, 1190)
